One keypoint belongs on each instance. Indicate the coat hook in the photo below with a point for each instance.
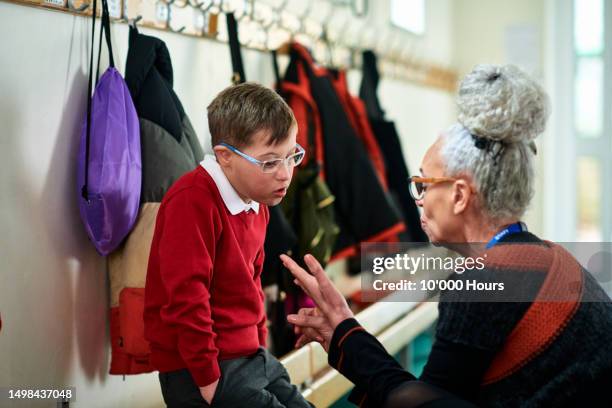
(240, 17)
(184, 4)
(132, 23)
(324, 34)
(340, 40)
(264, 26)
(206, 13)
(244, 11)
(301, 18)
(222, 7)
(213, 3)
(80, 9)
(356, 46)
(274, 20)
(281, 21)
(326, 21)
(205, 10)
(169, 17)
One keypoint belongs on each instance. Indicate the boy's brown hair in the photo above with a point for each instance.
(239, 111)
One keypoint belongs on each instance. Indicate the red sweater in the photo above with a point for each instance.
(203, 295)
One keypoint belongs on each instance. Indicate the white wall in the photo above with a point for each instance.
(53, 285)
(481, 29)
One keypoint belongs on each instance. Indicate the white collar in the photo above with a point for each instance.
(230, 197)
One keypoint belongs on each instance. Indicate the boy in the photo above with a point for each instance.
(204, 305)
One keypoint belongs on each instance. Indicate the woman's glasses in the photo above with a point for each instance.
(418, 185)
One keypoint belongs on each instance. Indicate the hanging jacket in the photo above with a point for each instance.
(170, 148)
(390, 145)
(363, 210)
(356, 113)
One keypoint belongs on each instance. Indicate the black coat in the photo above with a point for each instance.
(389, 142)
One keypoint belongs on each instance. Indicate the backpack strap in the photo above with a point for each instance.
(84, 189)
(238, 76)
(107, 35)
(104, 27)
(277, 77)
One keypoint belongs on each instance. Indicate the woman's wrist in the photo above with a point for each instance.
(341, 333)
(340, 316)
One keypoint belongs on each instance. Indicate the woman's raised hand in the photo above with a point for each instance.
(317, 324)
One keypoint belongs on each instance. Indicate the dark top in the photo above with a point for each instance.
(379, 380)
(567, 373)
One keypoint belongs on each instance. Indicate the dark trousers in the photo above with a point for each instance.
(256, 381)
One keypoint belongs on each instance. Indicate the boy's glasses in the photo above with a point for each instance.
(272, 166)
(418, 185)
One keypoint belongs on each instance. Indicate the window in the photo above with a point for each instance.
(588, 94)
(589, 78)
(592, 112)
(588, 27)
(588, 205)
(409, 15)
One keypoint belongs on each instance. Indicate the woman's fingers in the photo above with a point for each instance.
(300, 274)
(315, 267)
(316, 322)
(305, 280)
(329, 292)
(313, 322)
(302, 341)
(308, 338)
(297, 330)
(317, 286)
(307, 311)
(312, 334)
(299, 342)
(320, 275)
(307, 334)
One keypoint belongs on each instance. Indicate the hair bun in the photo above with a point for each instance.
(502, 103)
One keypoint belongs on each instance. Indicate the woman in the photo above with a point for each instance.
(477, 181)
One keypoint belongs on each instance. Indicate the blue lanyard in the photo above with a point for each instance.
(511, 229)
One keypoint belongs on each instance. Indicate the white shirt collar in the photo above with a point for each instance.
(230, 197)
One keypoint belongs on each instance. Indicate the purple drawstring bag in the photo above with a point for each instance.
(109, 164)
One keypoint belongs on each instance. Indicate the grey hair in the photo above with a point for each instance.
(508, 110)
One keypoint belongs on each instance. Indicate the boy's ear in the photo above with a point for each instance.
(223, 155)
